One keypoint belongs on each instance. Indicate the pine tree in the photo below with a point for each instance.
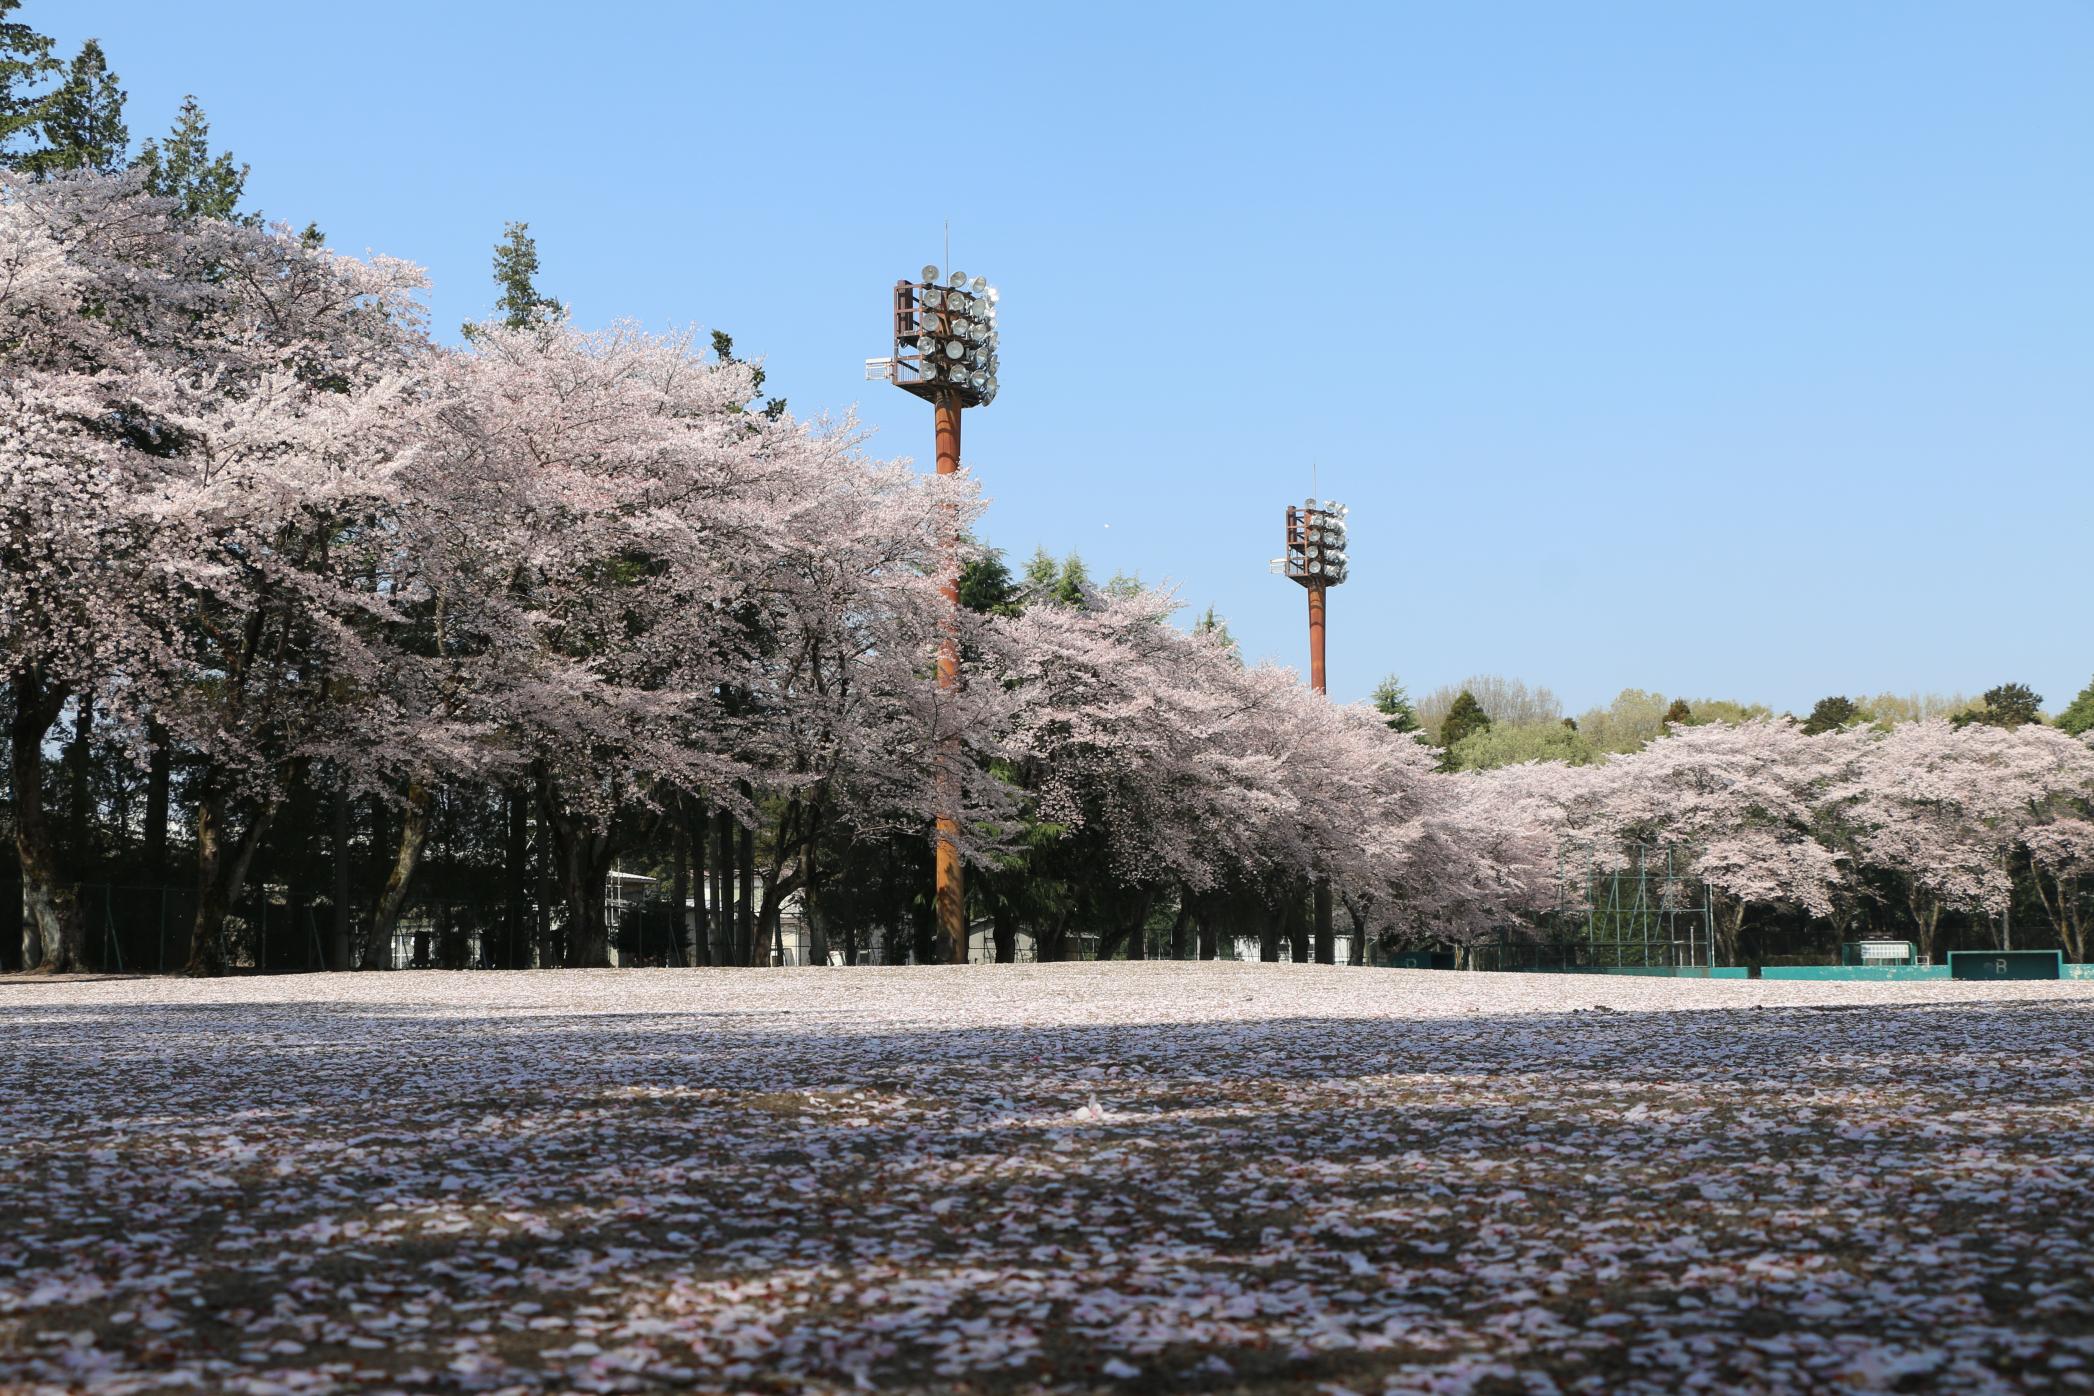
(1394, 704)
(82, 123)
(1679, 712)
(2079, 717)
(183, 168)
(516, 272)
(1465, 716)
(1211, 623)
(1830, 714)
(723, 350)
(25, 60)
(2010, 705)
(986, 586)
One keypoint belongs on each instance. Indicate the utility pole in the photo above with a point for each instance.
(945, 353)
(1316, 558)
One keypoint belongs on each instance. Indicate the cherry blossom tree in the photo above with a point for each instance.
(1943, 809)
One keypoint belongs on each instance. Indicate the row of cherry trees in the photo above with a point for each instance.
(254, 515)
(1930, 816)
(253, 518)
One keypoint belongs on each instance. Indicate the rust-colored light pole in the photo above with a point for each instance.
(945, 353)
(1316, 558)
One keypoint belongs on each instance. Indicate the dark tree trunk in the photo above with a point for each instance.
(1326, 937)
(1297, 929)
(548, 953)
(414, 836)
(79, 807)
(679, 889)
(158, 777)
(54, 937)
(1181, 928)
(1003, 922)
(338, 940)
(700, 918)
(723, 889)
(517, 883)
(745, 911)
(222, 863)
(1210, 937)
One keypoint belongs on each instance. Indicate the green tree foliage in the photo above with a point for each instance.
(1488, 748)
(1064, 583)
(1830, 714)
(182, 168)
(521, 305)
(1211, 623)
(82, 123)
(723, 350)
(986, 585)
(25, 61)
(1634, 717)
(2078, 718)
(1393, 702)
(1466, 716)
(2009, 705)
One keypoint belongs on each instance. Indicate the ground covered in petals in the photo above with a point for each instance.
(1144, 1177)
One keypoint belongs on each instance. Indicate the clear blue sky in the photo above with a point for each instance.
(1731, 349)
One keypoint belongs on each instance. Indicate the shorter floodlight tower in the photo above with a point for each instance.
(1316, 558)
(945, 353)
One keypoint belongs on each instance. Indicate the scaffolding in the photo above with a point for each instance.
(1645, 913)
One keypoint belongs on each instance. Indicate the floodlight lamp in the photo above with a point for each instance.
(979, 381)
(930, 274)
(994, 295)
(953, 349)
(956, 280)
(980, 284)
(926, 343)
(992, 385)
(933, 299)
(1316, 568)
(1308, 504)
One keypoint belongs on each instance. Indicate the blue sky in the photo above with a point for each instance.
(1743, 350)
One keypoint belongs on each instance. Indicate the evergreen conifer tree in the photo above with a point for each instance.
(1394, 704)
(1465, 716)
(25, 61)
(182, 168)
(82, 122)
(2079, 717)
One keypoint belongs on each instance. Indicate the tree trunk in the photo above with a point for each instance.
(222, 863)
(1297, 929)
(1926, 915)
(414, 836)
(1326, 937)
(723, 889)
(158, 777)
(745, 937)
(54, 937)
(517, 883)
(679, 888)
(1003, 924)
(1181, 928)
(79, 808)
(338, 943)
(1210, 937)
(700, 917)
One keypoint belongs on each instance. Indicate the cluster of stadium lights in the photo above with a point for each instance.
(1315, 543)
(945, 333)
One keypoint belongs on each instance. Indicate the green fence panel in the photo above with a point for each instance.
(2006, 964)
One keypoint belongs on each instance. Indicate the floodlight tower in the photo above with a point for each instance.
(1316, 558)
(945, 353)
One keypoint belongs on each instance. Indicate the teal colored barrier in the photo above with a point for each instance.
(2006, 964)
(1855, 972)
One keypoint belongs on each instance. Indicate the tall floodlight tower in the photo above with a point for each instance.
(1316, 558)
(945, 353)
